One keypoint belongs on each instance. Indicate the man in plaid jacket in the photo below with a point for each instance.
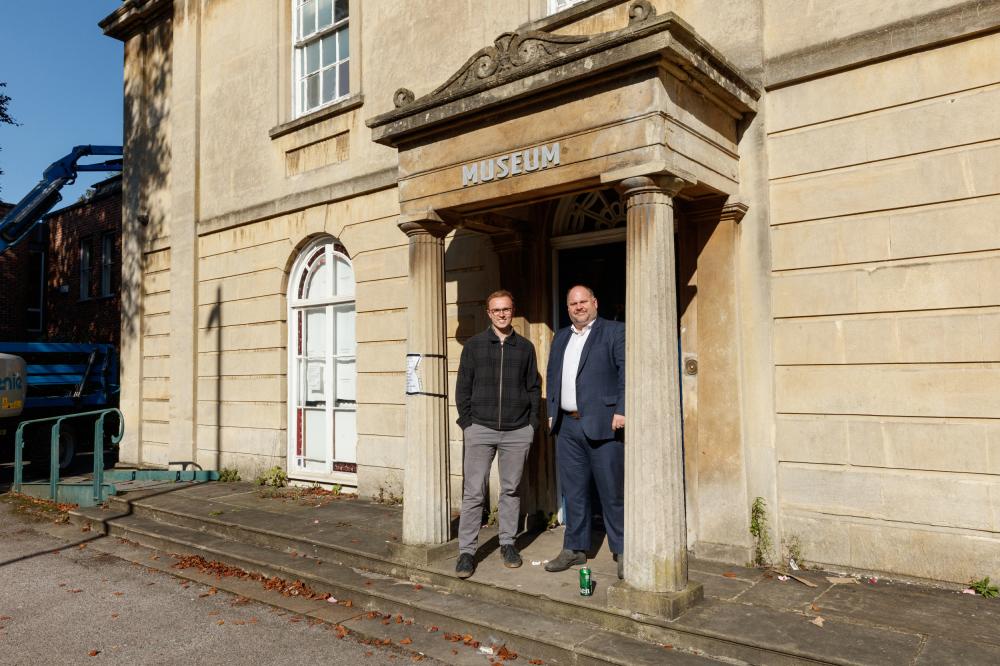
(497, 393)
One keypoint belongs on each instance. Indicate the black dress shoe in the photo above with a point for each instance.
(565, 560)
(511, 558)
(621, 566)
(466, 565)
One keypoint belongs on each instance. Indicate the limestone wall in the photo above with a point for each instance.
(885, 201)
(155, 385)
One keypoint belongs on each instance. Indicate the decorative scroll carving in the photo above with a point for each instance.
(510, 51)
(639, 11)
(402, 97)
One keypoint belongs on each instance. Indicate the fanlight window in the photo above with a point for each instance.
(322, 377)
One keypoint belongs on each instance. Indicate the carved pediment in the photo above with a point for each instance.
(510, 51)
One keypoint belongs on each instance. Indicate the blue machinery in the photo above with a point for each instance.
(30, 210)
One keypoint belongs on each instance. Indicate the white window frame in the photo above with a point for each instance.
(340, 64)
(86, 266)
(556, 6)
(295, 304)
(107, 263)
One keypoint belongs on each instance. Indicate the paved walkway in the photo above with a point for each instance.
(749, 609)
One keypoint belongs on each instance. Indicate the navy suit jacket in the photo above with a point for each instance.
(600, 380)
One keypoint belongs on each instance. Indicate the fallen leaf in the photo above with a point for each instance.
(118, 594)
(221, 622)
(418, 587)
(406, 641)
(814, 608)
(668, 646)
(94, 653)
(818, 621)
(114, 615)
(82, 546)
(729, 574)
(536, 662)
(433, 628)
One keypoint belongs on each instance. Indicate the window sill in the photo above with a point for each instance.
(569, 15)
(349, 103)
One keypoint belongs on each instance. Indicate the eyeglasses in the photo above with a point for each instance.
(497, 311)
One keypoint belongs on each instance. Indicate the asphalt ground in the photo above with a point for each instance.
(73, 604)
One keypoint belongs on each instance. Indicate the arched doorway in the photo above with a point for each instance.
(322, 396)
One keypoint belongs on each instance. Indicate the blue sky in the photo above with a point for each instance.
(65, 80)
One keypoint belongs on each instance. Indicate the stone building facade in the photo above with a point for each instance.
(794, 206)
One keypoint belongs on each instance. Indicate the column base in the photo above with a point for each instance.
(669, 605)
(422, 554)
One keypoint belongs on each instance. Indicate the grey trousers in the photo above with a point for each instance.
(481, 445)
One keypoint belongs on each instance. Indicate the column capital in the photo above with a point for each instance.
(666, 183)
(425, 222)
(649, 176)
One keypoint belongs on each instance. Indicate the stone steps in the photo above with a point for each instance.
(555, 641)
(727, 631)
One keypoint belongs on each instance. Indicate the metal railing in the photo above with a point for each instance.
(100, 415)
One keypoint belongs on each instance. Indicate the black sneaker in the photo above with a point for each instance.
(620, 559)
(565, 560)
(511, 558)
(466, 565)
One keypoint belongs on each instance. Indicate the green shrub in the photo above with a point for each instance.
(273, 478)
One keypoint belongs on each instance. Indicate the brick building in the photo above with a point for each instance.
(67, 273)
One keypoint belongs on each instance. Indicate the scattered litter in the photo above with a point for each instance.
(332, 600)
(818, 621)
(486, 649)
(792, 564)
(873, 580)
(842, 580)
(535, 563)
(782, 578)
(784, 575)
(968, 590)
(545, 561)
(315, 522)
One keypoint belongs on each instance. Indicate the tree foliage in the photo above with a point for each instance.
(4, 104)
(5, 117)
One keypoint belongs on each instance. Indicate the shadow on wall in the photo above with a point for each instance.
(147, 165)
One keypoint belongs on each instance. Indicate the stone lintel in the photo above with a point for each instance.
(734, 210)
(422, 554)
(669, 605)
(522, 66)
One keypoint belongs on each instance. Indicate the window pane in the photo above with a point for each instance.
(318, 285)
(329, 49)
(346, 383)
(312, 91)
(344, 79)
(344, 315)
(313, 393)
(340, 10)
(325, 13)
(308, 18)
(312, 57)
(346, 437)
(316, 441)
(316, 332)
(345, 278)
(344, 44)
(329, 84)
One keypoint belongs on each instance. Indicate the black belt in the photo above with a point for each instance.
(573, 415)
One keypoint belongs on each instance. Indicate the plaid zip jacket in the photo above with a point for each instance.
(498, 384)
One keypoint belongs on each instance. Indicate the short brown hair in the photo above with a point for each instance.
(499, 293)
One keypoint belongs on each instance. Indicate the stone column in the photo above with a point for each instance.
(656, 581)
(426, 492)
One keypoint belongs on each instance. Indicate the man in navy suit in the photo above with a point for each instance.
(586, 402)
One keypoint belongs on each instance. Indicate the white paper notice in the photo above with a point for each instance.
(412, 381)
(315, 378)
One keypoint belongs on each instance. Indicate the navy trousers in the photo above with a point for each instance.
(579, 459)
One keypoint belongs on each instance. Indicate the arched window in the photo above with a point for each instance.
(322, 433)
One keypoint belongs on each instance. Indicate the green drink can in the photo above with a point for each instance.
(586, 584)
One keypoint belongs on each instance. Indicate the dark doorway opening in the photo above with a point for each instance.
(600, 267)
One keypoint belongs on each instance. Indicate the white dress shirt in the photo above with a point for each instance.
(571, 365)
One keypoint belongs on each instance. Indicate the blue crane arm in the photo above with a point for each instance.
(45, 195)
